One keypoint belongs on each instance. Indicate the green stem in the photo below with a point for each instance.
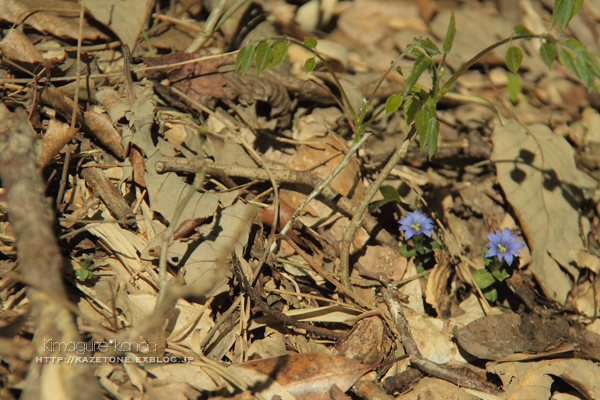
(480, 55)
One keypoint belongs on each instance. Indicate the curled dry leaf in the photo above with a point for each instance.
(16, 47)
(186, 227)
(102, 128)
(136, 158)
(439, 291)
(310, 375)
(366, 343)
(99, 125)
(57, 136)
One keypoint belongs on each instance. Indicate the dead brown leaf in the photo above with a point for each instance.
(310, 375)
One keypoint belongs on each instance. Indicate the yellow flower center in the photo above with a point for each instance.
(501, 248)
(416, 227)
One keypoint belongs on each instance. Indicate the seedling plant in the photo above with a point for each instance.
(420, 112)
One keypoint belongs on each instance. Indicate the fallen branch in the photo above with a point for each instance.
(344, 204)
(41, 262)
(416, 359)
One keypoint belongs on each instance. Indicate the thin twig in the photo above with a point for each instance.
(208, 28)
(362, 206)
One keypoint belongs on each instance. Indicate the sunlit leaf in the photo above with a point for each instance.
(483, 278)
(563, 11)
(309, 65)
(450, 35)
(245, 58)
(420, 65)
(513, 58)
(428, 128)
(399, 70)
(581, 52)
(576, 66)
(263, 56)
(393, 103)
(522, 30)
(310, 42)
(514, 87)
(548, 53)
(280, 50)
(430, 47)
(411, 106)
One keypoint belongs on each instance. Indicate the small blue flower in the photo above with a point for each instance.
(504, 245)
(415, 223)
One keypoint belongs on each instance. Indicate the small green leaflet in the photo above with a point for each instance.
(548, 53)
(428, 128)
(563, 11)
(310, 42)
(309, 65)
(393, 103)
(430, 47)
(514, 87)
(245, 58)
(263, 56)
(450, 35)
(501, 274)
(522, 30)
(411, 106)
(280, 50)
(420, 65)
(513, 58)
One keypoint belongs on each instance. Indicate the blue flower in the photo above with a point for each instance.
(415, 223)
(504, 245)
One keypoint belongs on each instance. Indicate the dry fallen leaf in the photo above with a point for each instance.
(310, 375)
(537, 172)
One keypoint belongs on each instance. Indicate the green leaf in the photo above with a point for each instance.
(245, 58)
(450, 35)
(563, 11)
(279, 52)
(411, 106)
(420, 65)
(514, 87)
(430, 47)
(548, 52)
(490, 294)
(428, 128)
(483, 278)
(500, 275)
(389, 195)
(513, 58)
(399, 70)
(577, 65)
(309, 65)
(587, 57)
(393, 103)
(523, 30)
(310, 42)
(407, 252)
(263, 56)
